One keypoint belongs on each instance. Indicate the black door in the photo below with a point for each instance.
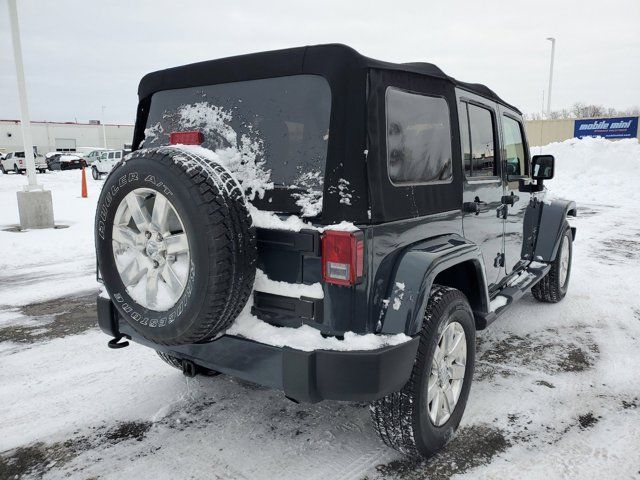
(515, 167)
(483, 189)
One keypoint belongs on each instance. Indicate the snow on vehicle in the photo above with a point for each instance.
(329, 225)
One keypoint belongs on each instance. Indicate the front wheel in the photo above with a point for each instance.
(421, 418)
(554, 285)
(95, 173)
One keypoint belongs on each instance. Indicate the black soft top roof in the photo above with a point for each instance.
(291, 61)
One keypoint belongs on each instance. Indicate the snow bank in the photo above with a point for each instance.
(594, 169)
(39, 265)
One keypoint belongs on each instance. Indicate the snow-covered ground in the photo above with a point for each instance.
(556, 391)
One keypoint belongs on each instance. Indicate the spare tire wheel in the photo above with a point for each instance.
(175, 245)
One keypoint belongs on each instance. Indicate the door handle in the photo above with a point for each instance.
(473, 207)
(510, 199)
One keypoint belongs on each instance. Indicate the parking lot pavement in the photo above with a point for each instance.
(552, 382)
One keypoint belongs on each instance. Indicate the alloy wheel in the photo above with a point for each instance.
(447, 373)
(151, 249)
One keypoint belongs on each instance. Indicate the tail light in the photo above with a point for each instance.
(342, 257)
(20, 161)
(186, 138)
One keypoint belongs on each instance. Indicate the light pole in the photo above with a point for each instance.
(553, 53)
(35, 206)
(104, 132)
(27, 140)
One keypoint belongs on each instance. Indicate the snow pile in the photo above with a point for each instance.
(307, 338)
(594, 169)
(265, 219)
(294, 290)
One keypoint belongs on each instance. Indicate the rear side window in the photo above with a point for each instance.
(516, 160)
(418, 138)
(111, 156)
(478, 133)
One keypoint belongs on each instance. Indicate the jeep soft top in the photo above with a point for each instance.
(330, 225)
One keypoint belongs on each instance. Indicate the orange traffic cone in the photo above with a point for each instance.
(84, 183)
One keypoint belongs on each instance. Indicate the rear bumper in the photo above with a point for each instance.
(302, 376)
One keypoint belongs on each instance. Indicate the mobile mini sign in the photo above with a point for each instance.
(623, 127)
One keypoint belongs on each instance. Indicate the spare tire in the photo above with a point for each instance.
(175, 245)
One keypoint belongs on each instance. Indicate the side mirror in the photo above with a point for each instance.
(542, 167)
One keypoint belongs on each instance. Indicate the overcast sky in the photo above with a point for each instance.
(82, 54)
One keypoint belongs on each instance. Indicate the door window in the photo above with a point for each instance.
(478, 146)
(111, 156)
(515, 156)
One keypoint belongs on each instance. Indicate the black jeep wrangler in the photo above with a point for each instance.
(385, 211)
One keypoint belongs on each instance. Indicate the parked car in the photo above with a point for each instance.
(91, 156)
(105, 162)
(403, 157)
(65, 161)
(15, 162)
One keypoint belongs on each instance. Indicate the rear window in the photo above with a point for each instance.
(418, 138)
(271, 133)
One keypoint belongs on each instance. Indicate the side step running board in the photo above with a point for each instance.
(512, 292)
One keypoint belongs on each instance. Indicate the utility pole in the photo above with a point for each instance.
(553, 53)
(35, 206)
(104, 131)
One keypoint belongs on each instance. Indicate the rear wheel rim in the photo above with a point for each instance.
(564, 261)
(151, 249)
(446, 376)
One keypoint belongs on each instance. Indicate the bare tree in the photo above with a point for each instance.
(582, 110)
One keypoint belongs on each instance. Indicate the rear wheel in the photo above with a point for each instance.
(554, 285)
(16, 170)
(94, 173)
(421, 418)
(2, 168)
(175, 245)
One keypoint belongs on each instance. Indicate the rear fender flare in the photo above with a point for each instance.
(553, 223)
(415, 271)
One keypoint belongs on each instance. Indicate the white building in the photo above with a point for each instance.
(64, 136)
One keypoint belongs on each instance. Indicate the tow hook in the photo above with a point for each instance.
(188, 368)
(113, 343)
